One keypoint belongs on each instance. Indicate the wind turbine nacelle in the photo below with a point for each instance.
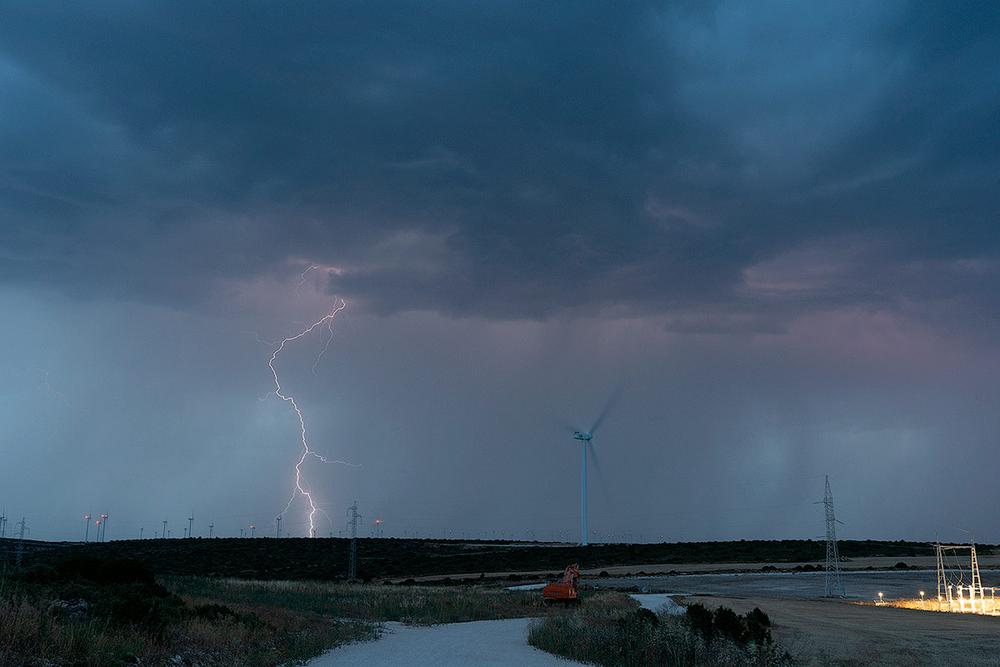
(582, 436)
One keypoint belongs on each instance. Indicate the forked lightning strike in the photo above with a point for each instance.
(327, 321)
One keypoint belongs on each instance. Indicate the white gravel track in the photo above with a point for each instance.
(658, 602)
(480, 643)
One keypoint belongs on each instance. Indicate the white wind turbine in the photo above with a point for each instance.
(586, 443)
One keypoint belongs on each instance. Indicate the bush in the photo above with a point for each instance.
(758, 627)
(728, 624)
(605, 630)
(701, 621)
(724, 623)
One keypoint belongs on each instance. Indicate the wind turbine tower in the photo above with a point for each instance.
(585, 438)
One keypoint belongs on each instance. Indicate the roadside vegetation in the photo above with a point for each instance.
(611, 630)
(105, 613)
(111, 612)
(408, 604)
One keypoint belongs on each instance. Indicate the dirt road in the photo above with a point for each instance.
(478, 644)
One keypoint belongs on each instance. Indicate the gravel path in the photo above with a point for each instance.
(658, 602)
(480, 643)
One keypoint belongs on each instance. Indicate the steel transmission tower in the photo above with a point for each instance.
(352, 568)
(834, 587)
(22, 526)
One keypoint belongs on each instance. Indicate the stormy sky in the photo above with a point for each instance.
(770, 229)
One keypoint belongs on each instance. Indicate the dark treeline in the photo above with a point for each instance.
(327, 558)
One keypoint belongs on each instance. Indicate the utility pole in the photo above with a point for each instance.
(3, 524)
(86, 528)
(163, 535)
(352, 568)
(20, 543)
(833, 586)
(191, 524)
(104, 527)
(211, 528)
(277, 529)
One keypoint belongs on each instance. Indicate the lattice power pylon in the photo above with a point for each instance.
(352, 568)
(834, 586)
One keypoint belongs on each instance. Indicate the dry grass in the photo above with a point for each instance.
(408, 604)
(34, 631)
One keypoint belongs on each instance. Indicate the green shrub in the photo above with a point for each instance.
(701, 621)
(609, 632)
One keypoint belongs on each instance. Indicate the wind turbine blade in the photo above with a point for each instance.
(602, 486)
(608, 405)
(593, 456)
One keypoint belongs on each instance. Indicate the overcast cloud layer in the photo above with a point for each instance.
(776, 226)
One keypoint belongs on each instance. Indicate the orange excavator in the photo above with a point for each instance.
(564, 590)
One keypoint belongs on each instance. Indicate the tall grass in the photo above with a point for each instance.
(34, 631)
(211, 622)
(409, 604)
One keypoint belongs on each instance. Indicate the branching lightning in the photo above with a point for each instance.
(300, 488)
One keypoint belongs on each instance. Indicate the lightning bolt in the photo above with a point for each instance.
(307, 451)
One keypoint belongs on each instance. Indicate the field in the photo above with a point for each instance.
(89, 612)
(268, 602)
(833, 632)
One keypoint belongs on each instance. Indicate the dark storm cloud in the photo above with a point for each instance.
(731, 166)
